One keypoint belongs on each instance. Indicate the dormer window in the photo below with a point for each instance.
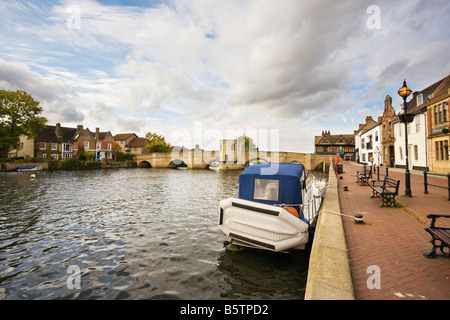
(419, 99)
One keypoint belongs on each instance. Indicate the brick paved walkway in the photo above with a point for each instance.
(394, 239)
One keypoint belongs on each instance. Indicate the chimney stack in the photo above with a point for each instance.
(58, 129)
(79, 128)
(97, 133)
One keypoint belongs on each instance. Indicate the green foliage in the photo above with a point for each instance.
(19, 115)
(157, 143)
(72, 164)
(89, 156)
(249, 144)
(124, 156)
(132, 164)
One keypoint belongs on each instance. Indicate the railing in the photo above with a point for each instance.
(426, 184)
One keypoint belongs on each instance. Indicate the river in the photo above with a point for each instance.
(140, 233)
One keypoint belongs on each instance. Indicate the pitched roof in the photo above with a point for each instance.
(427, 93)
(123, 136)
(137, 142)
(333, 139)
(48, 134)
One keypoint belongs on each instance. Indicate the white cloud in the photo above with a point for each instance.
(297, 66)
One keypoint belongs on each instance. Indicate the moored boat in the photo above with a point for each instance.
(276, 208)
(29, 168)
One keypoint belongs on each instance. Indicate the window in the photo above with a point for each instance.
(385, 154)
(55, 157)
(376, 135)
(416, 152)
(440, 113)
(42, 145)
(418, 124)
(99, 145)
(435, 115)
(446, 150)
(266, 189)
(54, 146)
(437, 150)
(441, 149)
(419, 99)
(445, 111)
(109, 146)
(86, 145)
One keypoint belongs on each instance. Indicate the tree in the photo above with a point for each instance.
(157, 143)
(249, 144)
(19, 115)
(116, 149)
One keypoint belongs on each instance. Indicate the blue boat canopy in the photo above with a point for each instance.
(273, 183)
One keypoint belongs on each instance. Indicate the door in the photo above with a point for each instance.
(391, 156)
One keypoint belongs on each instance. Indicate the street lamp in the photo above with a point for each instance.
(405, 118)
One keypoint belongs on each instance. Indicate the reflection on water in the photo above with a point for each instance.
(132, 234)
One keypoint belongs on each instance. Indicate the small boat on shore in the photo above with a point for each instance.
(29, 168)
(276, 208)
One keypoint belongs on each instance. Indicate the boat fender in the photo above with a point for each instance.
(33, 176)
(292, 210)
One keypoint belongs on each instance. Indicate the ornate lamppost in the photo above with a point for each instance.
(405, 118)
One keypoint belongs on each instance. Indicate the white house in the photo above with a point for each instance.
(417, 134)
(370, 142)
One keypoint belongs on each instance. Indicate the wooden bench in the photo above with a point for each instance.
(387, 190)
(440, 235)
(363, 177)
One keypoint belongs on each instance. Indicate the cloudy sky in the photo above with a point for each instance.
(197, 71)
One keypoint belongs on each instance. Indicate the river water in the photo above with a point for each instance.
(141, 233)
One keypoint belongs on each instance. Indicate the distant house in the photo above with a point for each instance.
(131, 143)
(328, 144)
(100, 143)
(365, 137)
(137, 146)
(437, 106)
(61, 143)
(419, 151)
(123, 139)
(52, 141)
(371, 143)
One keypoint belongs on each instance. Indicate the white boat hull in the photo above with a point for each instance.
(29, 168)
(262, 226)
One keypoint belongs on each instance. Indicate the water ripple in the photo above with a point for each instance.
(133, 234)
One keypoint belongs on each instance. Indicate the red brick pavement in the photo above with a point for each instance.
(394, 240)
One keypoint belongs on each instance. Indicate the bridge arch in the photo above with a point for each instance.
(144, 164)
(320, 166)
(212, 161)
(176, 163)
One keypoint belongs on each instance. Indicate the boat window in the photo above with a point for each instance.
(266, 189)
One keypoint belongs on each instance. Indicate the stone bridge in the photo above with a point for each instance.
(201, 159)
